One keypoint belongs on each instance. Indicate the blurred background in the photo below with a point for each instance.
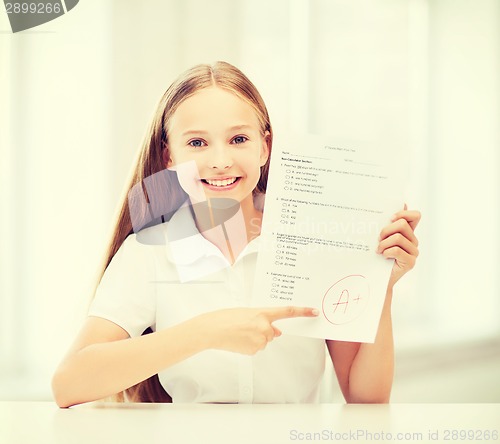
(78, 93)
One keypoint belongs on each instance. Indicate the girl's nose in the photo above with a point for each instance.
(220, 158)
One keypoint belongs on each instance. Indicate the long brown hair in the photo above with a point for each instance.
(152, 159)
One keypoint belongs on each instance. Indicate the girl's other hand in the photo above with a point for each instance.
(245, 330)
(398, 242)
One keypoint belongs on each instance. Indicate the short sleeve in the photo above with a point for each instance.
(126, 294)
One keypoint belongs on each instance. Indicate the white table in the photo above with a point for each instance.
(44, 422)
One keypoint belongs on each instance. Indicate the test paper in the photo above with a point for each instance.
(326, 203)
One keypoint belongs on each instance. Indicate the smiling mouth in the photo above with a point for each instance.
(220, 182)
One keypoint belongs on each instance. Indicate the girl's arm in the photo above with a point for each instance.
(104, 360)
(365, 371)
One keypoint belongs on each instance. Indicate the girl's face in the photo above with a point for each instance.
(219, 133)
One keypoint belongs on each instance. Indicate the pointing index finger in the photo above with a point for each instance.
(273, 314)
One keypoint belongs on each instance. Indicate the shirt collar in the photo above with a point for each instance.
(187, 244)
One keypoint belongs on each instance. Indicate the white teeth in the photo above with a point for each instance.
(221, 183)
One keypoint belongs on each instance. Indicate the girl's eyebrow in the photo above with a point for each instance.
(185, 133)
(239, 127)
(243, 126)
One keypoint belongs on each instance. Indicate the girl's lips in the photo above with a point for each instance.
(228, 187)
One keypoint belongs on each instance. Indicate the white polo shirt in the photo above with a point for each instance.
(141, 289)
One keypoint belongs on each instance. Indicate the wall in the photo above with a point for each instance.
(78, 94)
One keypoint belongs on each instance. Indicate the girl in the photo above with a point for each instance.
(171, 318)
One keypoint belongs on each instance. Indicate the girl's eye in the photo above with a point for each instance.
(196, 143)
(239, 139)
